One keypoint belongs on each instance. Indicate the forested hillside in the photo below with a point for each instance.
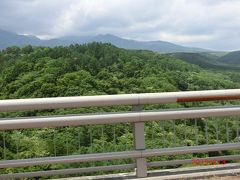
(95, 69)
(232, 58)
(210, 61)
(98, 69)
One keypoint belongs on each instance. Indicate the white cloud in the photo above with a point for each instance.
(184, 38)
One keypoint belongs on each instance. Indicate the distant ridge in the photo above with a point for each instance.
(12, 39)
(211, 61)
(158, 46)
(232, 58)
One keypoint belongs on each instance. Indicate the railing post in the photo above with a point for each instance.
(139, 141)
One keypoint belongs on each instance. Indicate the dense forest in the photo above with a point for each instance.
(96, 69)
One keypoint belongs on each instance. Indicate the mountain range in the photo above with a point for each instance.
(201, 57)
(12, 39)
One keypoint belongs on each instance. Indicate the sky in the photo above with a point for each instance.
(211, 24)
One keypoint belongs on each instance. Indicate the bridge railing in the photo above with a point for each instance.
(137, 117)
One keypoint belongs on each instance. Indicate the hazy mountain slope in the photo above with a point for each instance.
(11, 39)
(204, 60)
(159, 46)
(8, 39)
(232, 58)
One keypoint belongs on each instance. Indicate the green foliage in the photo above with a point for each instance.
(95, 69)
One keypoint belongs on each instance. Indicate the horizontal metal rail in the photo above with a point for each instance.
(118, 155)
(68, 171)
(191, 161)
(75, 120)
(113, 167)
(111, 100)
(137, 117)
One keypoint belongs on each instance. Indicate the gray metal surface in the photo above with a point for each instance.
(139, 141)
(25, 123)
(121, 167)
(70, 159)
(118, 155)
(110, 100)
(67, 171)
(191, 161)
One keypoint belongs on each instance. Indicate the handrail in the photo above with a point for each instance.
(133, 117)
(122, 99)
(119, 155)
(137, 117)
(127, 166)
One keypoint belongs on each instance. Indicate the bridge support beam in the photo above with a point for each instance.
(139, 140)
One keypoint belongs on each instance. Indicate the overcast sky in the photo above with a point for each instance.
(213, 24)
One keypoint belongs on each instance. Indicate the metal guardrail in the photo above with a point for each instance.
(122, 99)
(137, 117)
(132, 117)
